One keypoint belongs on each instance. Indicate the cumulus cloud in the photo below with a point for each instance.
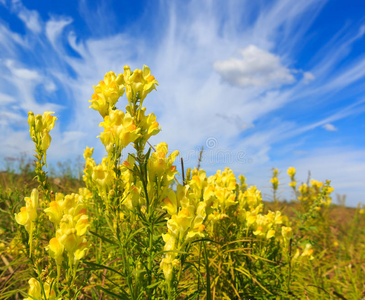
(255, 67)
(329, 127)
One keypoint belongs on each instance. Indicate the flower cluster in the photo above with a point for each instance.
(316, 193)
(39, 128)
(136, 84)
(28, 213)
(291, 172)
(184, 225)
(119, 131)
(249, 213)
(160, 166)
(68, 214)
(306, 253)
(201, 207)
(35, 290)
(274, 180)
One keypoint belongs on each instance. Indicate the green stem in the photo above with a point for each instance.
(31, 240)
(150, 254)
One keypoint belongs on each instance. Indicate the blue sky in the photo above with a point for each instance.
(259, 84)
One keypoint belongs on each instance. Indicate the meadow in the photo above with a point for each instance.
(134, 229)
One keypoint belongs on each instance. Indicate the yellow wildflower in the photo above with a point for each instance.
(119, 131)
(159, 164)
(291, 172)
(107, 93)
(138, 83)
(292, 184)
(56, 250)
(308, 251)
(39, 128)
(286, 232)
(28, 213)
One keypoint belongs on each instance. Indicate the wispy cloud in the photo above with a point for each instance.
(329, 127)
(190, 46)
(30, 18)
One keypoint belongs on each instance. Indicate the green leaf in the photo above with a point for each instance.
(153, 285)
(102, 238)
(118, 296)
(99, 267)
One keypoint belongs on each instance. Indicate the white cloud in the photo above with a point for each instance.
(329, 127)
(9, 118)
(22, 73)
(308, 77)
(54, 28)
(29, 17)
(10, 42)
(257, 67)
(6, 99)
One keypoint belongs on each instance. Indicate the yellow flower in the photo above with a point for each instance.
(303, 189)
(148, 124)
(259, 231)
(270, 233)
(149, 82)
(48, 120)
(70, 237)
(275, 182)
(69, 215)
(159, 164)
(167, 268)
(107, 93)
(35, 289)
(243, 185)
(286, 232)
(316, 184)
(138, 83)
(102, 175)
(170, 203)
(251, 218)
(119, 131)
(292, 184)
(308, 251)
(56, 249)
(278, 218)
(291, 172)
(250, 199)
(55, 211)
(88, 152)
(39, 128)
(28, 213)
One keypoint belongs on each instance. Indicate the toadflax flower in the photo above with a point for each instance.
(28, 213)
